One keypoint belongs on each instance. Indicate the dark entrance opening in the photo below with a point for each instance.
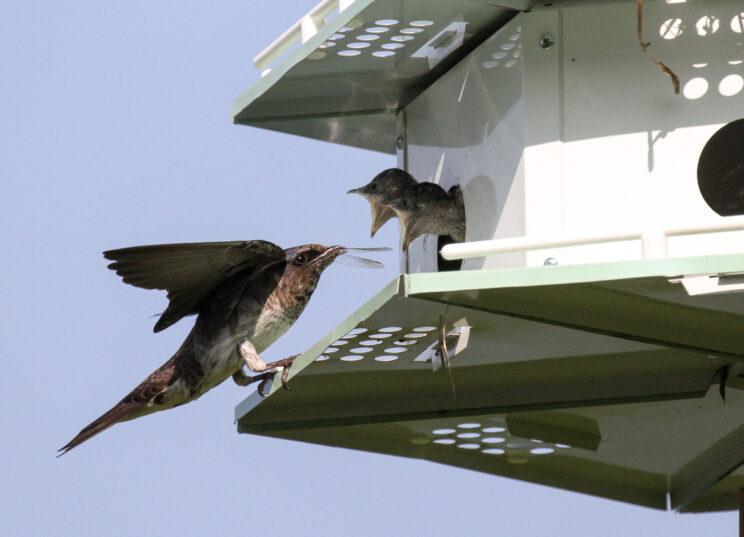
(444, 265)
(721, 170)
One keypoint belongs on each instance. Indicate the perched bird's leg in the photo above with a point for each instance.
(255, 363)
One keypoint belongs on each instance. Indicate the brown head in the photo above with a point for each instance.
(304, 266)
(384, 188)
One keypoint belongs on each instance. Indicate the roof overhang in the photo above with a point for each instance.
(353, 100)
(592, 378)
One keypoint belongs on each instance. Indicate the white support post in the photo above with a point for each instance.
(654, 244)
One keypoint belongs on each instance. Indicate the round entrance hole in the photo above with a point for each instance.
(721, 170)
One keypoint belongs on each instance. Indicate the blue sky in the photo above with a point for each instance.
(115, 131)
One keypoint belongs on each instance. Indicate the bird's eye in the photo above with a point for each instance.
(305, 257)
(373, 187)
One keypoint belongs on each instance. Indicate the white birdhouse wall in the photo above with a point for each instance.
(559, 125)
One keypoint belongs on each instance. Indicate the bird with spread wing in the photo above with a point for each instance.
(245, 294)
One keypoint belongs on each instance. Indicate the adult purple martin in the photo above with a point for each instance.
(428, 208)
(245, 294)
(387, 186)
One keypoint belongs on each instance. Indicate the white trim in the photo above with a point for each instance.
(653, 241)
(302, 30)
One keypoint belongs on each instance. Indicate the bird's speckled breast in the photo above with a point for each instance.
(261, 324)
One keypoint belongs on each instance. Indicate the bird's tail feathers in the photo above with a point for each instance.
(120, 412)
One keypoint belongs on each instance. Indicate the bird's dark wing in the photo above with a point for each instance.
(190, 271)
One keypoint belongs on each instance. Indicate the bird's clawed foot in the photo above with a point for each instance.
(267, 371)
(241, 379)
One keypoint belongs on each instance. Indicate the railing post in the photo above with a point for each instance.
(310, 26)
(654, 244)
(343, 4)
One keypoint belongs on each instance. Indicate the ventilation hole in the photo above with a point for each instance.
(357, 45)
(386, 358)
(510, 63)
(361, 350)
(402, 38)
(468, 446)
(383, 53)
(493, 451)
(707, 25)
(516, 54)
(731, 85)
(735, 62)
(468, 435)
(411, 30)
(322, 358)
(370, 342)
(395, 350)
(424, 328)
(514, 37)
(489, 64)
(351, 358)
(562, 446)
(386, 22)
(444, 441)
(536, 441)
(420, 23)
(721, 170)
(392, 46)
(541, 450)
(737, 23)
(494, 430)
(699, 65)
(349, 53)
(442, 431)
(368, 37)
(406, 342)
(671, 28)
(330, 350)
(414, 335)
(346, 29)
(340, 342)
(493, 440)
(336, 37)
(327, 44)
(507, 46)
(377, 30)
(380, 336)
(469, 425)
(356, 332)
(390, 329)
(695, 88)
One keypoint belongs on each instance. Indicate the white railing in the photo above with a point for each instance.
(653, 241)
(300, 31)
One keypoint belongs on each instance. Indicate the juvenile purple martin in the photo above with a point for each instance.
(387, 186)
(245, 294)
(428, 208)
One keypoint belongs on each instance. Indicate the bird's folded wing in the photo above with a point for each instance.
(189, 272)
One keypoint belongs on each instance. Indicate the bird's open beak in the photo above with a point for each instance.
(333, 252)
(329, 255)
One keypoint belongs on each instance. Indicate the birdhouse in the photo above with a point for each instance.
(588, 334)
